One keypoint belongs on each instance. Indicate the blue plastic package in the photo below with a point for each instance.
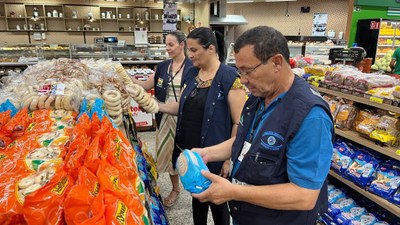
(353, 214)
(386, 182)
(362, 169)
(342, 156)
(335, 195)
(396, 197)
(189, 166)
(7, 105)
(342, 205)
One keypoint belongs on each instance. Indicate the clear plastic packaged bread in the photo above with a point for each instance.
(345, 116)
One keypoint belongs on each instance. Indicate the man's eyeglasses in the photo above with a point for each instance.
(246, 73)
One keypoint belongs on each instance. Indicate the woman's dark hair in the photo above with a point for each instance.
(267, 42)
(180, 37)
(206, 37)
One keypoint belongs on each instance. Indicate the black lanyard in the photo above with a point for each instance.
(171, 78)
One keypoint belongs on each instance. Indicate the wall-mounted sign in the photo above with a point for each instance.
(170, 16)
(319, 24)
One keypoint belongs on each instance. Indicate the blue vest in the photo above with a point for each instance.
(161, 82)
(284, 121)
(217, 123)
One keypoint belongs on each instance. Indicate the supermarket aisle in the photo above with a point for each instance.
(181, 212)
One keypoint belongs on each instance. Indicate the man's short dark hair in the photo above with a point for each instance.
(267, 42)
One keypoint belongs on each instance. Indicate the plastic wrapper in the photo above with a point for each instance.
(342, 205)
(8, 106)
(45, 206)
(189, 165)
(84, 203)
(361, 116)
(117, 212)
(377, 81)
(16, 126)
(117, 184)
(382, 92)
(367, 125)
(386, 182)
(342, 156)
(10, 203)
(345, 116)
(362, 169)
(52, 94)
(386, 130)
(4, 118)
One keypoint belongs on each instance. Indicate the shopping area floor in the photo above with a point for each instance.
(181, 212)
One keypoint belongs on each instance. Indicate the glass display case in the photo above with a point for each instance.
(20, 53)
(79, 51)
(128, 53)
(158, 52)
(319, 51)
(55, 51)
(295, 48)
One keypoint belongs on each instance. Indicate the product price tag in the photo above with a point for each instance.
(315, 83)
(376, 99)
(398, 152)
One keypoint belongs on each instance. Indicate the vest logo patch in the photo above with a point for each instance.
(221, 95)
(160, 82)
(272, 141)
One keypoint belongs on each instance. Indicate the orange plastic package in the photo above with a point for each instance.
(100, 127)
(84, 203)
(10, 202)
(83, 127)
(4, 141)
(92, 159)
(16, 126)
(5, 117)
(39, 115)
(120, 154)
(45, 206)
(117, 212)
(76, 156)
(114, 182)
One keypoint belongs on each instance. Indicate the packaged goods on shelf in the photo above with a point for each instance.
(343, 209)
(346, 116)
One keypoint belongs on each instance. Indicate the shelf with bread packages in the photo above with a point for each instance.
(66, 129)
(365, 109)
(380, 201)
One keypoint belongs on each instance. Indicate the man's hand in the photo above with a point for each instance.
(225, 169)
(202, 152)
(220, 190)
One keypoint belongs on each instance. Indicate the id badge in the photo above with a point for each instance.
(245, 149)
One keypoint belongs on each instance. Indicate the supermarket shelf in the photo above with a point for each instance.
(354, 136)
(360, 100)
(141, 62)
(379, 45)
(387, 36)
(378, 200)
(17, 63)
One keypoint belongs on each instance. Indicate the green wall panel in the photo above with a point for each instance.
(386, 3)
(367, 12)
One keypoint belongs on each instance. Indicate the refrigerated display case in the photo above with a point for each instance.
(55, 51)
(128, 53)
(379, 37)
(80, 51)
(20, 54)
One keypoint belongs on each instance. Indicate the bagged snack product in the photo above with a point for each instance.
(362, 169)
(386, 130)
(367, 125)
(345, 116)
(386, 182)
(342, 205)
(45, 206)
(342, 156)
(354, 213)
(189, 165)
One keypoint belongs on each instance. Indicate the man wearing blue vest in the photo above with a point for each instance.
(281, 154)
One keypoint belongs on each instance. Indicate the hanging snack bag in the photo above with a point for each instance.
(189, 165)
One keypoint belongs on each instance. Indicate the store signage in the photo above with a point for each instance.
(142, 119)
(170, 16)
(374, 25)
